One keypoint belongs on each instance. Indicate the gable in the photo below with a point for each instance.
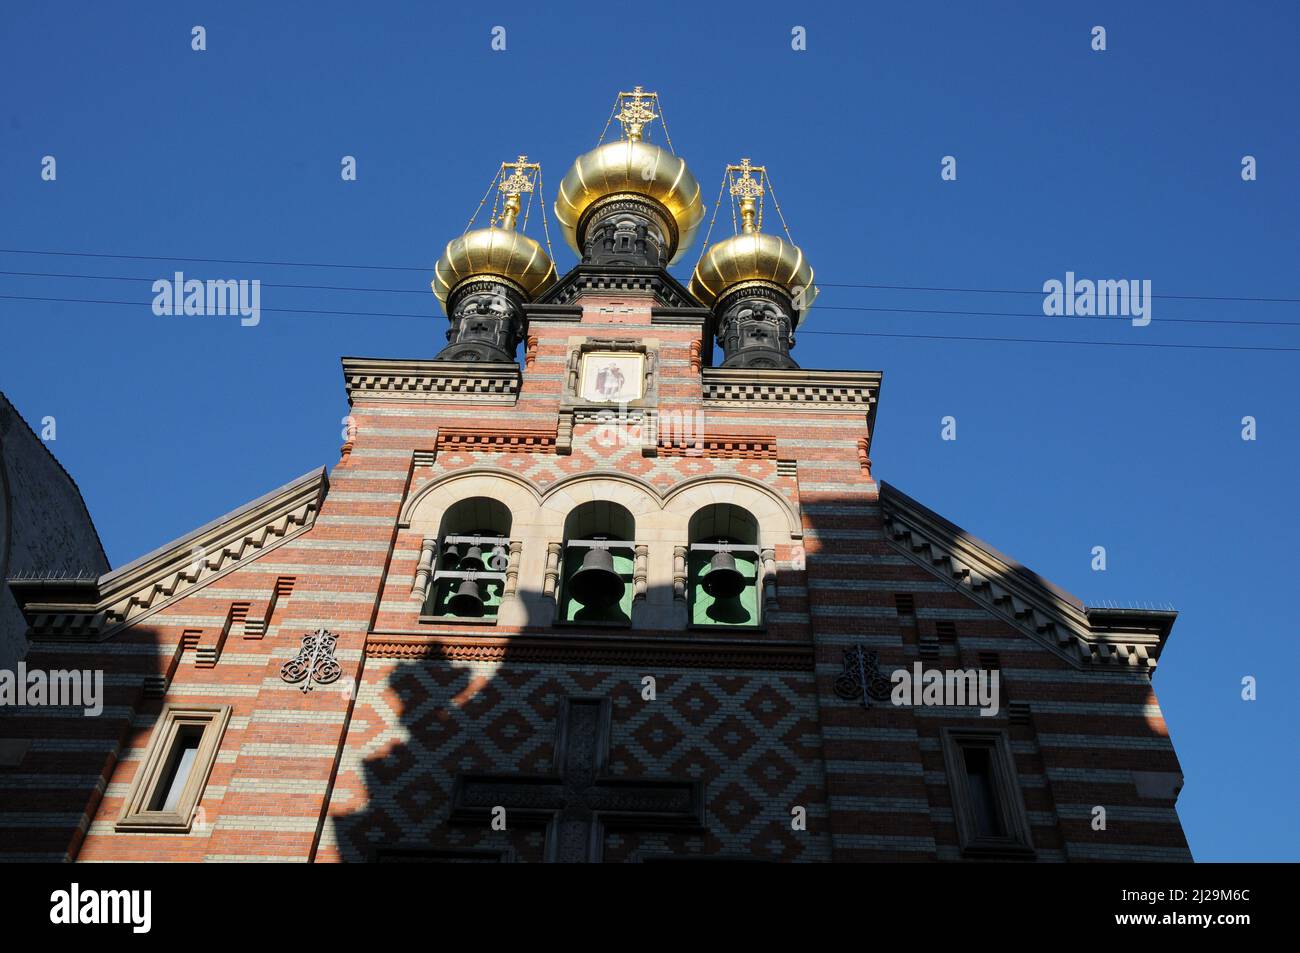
(96, 607)
(1049, 615)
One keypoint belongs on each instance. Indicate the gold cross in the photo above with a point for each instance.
(635, 114)
(746, 187)
(518, 181)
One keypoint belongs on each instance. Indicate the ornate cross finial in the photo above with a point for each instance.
(636, 112)
(748, 189)
(519, 181)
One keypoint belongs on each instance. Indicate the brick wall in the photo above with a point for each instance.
(370, 762)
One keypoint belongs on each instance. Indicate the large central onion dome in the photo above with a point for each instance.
(631, 168)
(497, 252)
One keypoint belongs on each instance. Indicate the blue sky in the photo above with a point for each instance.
(1117, 164)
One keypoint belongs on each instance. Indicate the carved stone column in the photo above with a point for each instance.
(424, 569)
(679, 574)
(551, 582)
(639, 571)
(768, 558)
(512, 568)
(513, 611)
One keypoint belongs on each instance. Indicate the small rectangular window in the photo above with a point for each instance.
(987, 806)
(179, 767)
(983, 791)
(175, 768)
(905, 603)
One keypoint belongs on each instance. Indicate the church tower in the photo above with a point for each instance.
(609, 577)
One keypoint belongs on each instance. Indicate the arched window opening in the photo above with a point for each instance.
(599, 564)
(723, 567)
(471, 558)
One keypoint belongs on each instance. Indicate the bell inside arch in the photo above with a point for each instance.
(472, 561)
(723, 580)
(596, 585)
(450, 555)
(467, 600)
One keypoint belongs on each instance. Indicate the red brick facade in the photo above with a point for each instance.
(367, 767)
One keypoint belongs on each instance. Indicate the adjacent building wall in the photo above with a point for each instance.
(44, 524)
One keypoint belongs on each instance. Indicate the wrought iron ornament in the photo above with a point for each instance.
(314, 662)
(861, 668)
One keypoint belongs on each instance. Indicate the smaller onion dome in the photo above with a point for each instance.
(753, 255)
(498, 251)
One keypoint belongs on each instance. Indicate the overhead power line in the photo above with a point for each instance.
(428, 269)
(821, 307)
(870, 334)
(1021, 291)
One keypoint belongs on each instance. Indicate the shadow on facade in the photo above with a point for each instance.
(57, 760)
(563, 735)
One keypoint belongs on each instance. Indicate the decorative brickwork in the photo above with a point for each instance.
(718, 447)
(505, 441)
(690, 741)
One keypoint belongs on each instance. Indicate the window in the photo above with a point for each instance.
(174, 769)
(723, 567)
(986, 803)
(599, 565)
(180, 765)
(470, 561)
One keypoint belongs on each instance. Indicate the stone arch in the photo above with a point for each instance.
(778, 522)
(639, 497)
(424, 510)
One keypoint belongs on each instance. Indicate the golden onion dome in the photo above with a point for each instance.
(754, 256)
(493, 252)
(631, 166)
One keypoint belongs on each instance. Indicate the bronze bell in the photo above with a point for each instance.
(467, 600)
(472, 561)
(450, 555)
(723, 580)
(596, 585)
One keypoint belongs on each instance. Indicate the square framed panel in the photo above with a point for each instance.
(612, 377)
